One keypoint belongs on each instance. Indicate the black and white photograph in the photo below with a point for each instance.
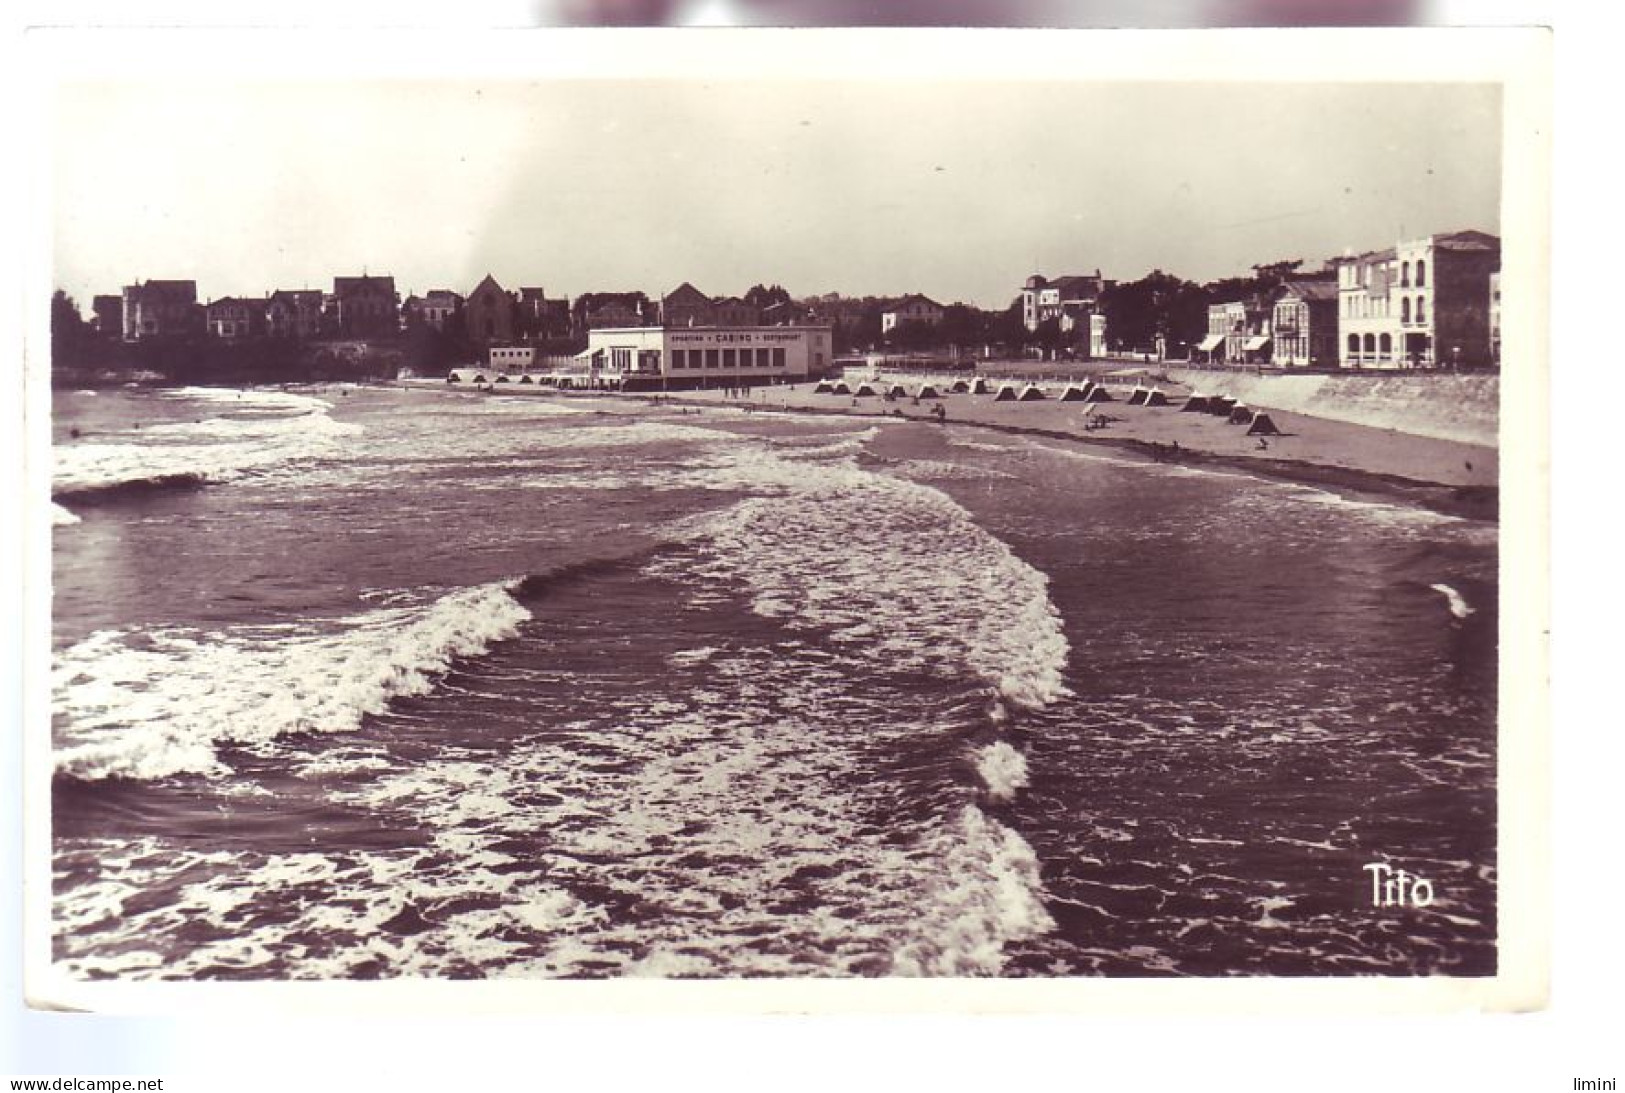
(731, 509)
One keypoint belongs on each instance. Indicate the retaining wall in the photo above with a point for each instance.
(1465, 408)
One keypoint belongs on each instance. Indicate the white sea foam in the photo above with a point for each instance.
(211, 450)
(249, 399)
(1459, 607)
(987, 895)
(151, 704)
(894, 564)
(1003, 770)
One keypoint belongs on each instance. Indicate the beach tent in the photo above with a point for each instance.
(1033, 393)
(1007, 393)
(840, 388)
(927, 391)
(502, 379)
(527, 379)
(453, 377)
(960, 387)
(824, 387)
(1196, 404)
(865, 390)
(1220, 405)
(1240, 415)
(1096, 392)
(980, 386)
(897, 390)
(1137, 396)
(1074, 393)
(1263, 426)
(478, 378)
(1155, 397)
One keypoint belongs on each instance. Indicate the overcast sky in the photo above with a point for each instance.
(957, 190)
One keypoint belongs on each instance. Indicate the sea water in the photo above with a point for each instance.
(365, 683)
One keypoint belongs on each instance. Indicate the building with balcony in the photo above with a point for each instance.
(1043, 299)
(1303, 324)
(1073, 302)
(1238, 332)
(1424, 303)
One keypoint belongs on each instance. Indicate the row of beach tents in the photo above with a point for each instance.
(1236, 413)
(1005, 392)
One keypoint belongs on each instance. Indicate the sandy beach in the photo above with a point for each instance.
(1439, 474)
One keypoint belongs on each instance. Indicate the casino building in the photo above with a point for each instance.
(668, 358)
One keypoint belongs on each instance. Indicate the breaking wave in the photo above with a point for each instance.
(271, 429)
(152, 704)
(1459, 607)
(896, 565)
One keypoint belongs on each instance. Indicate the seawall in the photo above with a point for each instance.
(1464, 408)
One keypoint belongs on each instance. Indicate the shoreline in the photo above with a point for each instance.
(1474, 500)
(1355, 459)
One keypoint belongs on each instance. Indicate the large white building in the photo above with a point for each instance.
(655, 356)
(1419, 304)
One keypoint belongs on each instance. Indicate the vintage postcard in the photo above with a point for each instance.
(825, 521)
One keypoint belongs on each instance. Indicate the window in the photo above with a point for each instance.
(728, 360)
(1370, 343)
(1387, 344)
(763, 358)
(1405, 310)
(1421, 274)
(778, 358)
(679, 359)
(710, 358)
(1421, 310)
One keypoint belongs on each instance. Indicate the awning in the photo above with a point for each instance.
(1256, 343)
(1210, 343)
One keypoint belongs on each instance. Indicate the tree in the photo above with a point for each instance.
(1271, 275)
(963, 325)
(762, 296)
(70, 335)
(1008, 328)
